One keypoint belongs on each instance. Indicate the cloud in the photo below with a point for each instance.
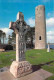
(50, 36)
(31, 22)
(50, 33)
(50, 22)
(7, 31)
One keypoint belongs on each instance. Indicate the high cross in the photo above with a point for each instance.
(20, 28)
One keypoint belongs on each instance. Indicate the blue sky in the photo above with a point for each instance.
(10, 8)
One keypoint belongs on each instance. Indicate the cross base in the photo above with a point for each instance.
(19, 69)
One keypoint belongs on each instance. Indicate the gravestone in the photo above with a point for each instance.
(20, 67)
(48, 49)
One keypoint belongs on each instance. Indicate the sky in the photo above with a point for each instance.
(10, 8)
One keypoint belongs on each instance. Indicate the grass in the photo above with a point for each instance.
(50, 78)
(5, 58)
(49, 68)
(35, 57)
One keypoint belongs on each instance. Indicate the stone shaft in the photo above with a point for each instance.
(17, 47)
(20, 48)
(40, 27)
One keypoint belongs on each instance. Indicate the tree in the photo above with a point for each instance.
(9, 40)
(13, 37)
(3, 35)
(30, 34)
(14, 40)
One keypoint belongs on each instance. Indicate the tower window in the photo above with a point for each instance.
(39, 37)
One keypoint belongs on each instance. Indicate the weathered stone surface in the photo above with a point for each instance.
(20, 16)
(19, 69)
(40, 28)
(20, 28)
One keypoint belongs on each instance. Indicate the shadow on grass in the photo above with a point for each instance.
(37, 67)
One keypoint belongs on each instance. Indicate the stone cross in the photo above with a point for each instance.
(48, 49)
(20, 28)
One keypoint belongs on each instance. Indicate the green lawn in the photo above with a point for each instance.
(50, 78)
(6, 58)
(49, 68)
(35, 57)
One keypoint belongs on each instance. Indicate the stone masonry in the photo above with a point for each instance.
(40, 27)
(20, 67)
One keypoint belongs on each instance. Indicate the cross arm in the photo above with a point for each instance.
(12, 25)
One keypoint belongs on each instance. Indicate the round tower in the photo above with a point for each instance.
(40, 27)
